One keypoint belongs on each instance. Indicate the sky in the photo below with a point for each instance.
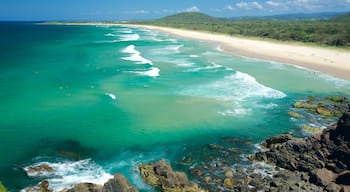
(62, 10)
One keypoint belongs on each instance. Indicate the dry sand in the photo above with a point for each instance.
(331, 61)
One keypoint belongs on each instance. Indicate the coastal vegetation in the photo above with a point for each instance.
(330, 32)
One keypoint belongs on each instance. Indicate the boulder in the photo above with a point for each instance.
(39, 170)
(323, 111)
(161, 175)
(229, 173)
(41, 187)
(229, 183)
(272, 142)
(118, 184)
(85, 187)
(322, 177)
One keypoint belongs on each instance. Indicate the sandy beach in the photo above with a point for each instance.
(331, 61)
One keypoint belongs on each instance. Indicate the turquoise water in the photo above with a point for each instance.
(114, 96)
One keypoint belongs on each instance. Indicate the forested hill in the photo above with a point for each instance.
(331, 32)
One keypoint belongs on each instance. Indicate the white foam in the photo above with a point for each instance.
(234, 112)
(110, 35)
(238, 90)
(194, 56)
(252, 88)
(111, 96)
(238, 86)
(219, 48)
(135, 55)
(153, 72)
(129, 37)
(170, 49)
(69, 173)
(124, 30)
(214, 67)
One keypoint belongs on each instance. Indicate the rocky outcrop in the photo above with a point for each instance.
(43, 186)
(325, 157)
(84, 187)
(118, 184)
(161, 175)
(39, 170)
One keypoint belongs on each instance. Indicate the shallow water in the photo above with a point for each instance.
(101, 99)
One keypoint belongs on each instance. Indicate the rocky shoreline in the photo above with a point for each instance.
(320, 162)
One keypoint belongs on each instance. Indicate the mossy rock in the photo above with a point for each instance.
(304, 105)
(321, 104)
(338, 99)
(311, 99)
(147, 173)
(2, 188)
(294, 114)
(324, 112)
(311, 129)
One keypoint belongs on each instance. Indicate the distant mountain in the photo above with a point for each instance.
(345, 18)
(188, 17)
(296, 16)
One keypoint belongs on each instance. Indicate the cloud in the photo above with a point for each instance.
(230, 8)
(274, 4)
(249, 5)
(141, 12)
(191, 9)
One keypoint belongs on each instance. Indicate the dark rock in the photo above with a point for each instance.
(118, 184)
(343, 128)
(277, 140)
(161, 175)
(343, 179)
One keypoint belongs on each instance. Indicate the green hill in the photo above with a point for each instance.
(345, 18)
(188, 17)
(332, 32)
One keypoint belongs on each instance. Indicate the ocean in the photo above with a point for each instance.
(91, 101)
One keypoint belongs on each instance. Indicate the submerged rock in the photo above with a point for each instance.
(161, 175)
(294, 114)
(304, 105)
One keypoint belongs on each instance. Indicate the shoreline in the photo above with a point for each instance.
(326, 60)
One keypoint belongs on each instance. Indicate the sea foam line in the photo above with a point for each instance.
(135, 55)
(67, 173)
(153, 72)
